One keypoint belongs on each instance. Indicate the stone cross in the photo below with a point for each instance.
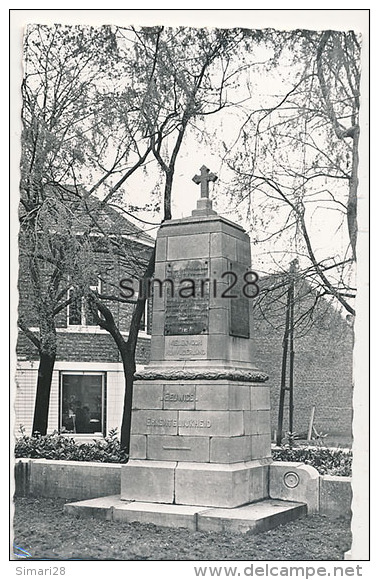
(204, 178)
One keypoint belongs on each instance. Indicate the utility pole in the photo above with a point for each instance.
(288, 351)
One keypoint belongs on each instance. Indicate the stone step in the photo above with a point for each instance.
(255, 517)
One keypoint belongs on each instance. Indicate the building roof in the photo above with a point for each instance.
(72, 207)
(105, 219)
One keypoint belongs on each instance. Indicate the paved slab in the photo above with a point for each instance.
(256, 517)
(98, 507)
(167, 515)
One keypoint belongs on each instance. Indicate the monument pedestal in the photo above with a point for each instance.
(196, 484)
(199, 442)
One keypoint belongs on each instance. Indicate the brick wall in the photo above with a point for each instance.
(84, 346)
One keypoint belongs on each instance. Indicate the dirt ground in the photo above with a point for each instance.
(45, 532)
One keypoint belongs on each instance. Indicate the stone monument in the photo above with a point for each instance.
(201, 409)
(200, 433)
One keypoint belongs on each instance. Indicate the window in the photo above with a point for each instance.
(82, 402)
(78, 311)
(145, 323)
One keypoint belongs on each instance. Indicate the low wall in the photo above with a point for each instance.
(85, 480)
(66, 479)
(335, 495)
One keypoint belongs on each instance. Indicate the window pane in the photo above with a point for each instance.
(75, 310)
(89, 317)
(142, 324)
(82, 403)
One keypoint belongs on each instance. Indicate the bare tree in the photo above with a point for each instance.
(178, 65)
(66, 96)
(296, 160)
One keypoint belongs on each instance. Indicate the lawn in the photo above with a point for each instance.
(42, 529)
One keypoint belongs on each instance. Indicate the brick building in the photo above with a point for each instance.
(88, 382)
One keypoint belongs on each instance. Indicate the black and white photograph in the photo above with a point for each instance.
(189, 240)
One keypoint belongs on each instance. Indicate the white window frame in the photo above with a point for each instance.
(83, 324)
(145, 315)
(103, 401)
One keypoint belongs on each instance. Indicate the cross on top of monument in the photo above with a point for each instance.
(203, 179)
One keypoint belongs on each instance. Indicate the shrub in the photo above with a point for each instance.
(327, 461)
(108, 450)
(59, 446)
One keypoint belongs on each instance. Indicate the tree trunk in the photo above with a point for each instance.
(128, 354)
(353, 195)
(129, 366)
(127, 410)
(41, 409)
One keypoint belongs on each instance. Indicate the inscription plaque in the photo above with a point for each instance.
(187, 306)
(239, 307)
(185, 348)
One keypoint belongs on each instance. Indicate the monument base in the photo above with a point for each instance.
(253, 518)
(199, 484)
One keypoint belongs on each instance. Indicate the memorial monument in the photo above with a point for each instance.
(201, 409)
(200, 433)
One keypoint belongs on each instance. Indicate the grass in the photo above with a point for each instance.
(42, 529)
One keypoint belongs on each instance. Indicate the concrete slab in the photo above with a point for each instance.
(211, 423)
(295, 482)
(188, 246)
(170, 448)
(222, 396)
(179, 396)
(138, 445)
(154, 422)
(230, 449)
(256, 517)
(161, 249)
(98, 507)
(335, 495)
(73, 479)
(218, 485)
(147, 395)
(261, 447)
(260, 397)
(259, 488)
(173, 516)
